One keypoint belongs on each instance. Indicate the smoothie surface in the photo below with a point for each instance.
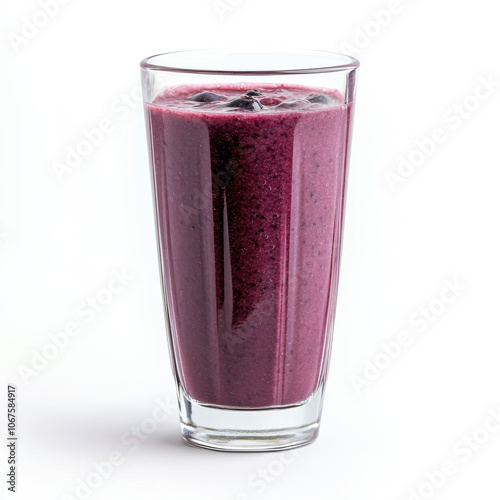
(239, 98)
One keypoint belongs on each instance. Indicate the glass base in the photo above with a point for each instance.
(229, 429)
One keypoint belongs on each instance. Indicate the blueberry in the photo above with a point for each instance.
(318, 98)
(248, 103)
(206, 96)
(252, 93)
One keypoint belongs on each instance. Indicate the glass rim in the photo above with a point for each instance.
(345, 63)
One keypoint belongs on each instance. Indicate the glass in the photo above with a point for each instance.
(249, 155)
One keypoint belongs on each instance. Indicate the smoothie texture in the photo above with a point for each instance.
(249, 185)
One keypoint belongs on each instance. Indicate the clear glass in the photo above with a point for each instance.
(249, 191)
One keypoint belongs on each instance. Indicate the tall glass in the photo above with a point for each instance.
(249, 155)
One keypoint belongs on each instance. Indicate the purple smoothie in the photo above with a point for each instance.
(249, 199)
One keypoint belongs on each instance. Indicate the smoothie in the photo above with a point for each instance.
(249, 185)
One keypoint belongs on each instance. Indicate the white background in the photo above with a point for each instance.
(61, 241)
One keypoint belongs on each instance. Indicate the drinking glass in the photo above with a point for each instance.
(249, 154)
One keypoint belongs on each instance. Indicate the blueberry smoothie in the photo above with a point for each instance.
(249, 185)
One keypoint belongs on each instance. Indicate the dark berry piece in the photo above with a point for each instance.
(206, 96)
(248, 103)
(318, 99)
(253, 93)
